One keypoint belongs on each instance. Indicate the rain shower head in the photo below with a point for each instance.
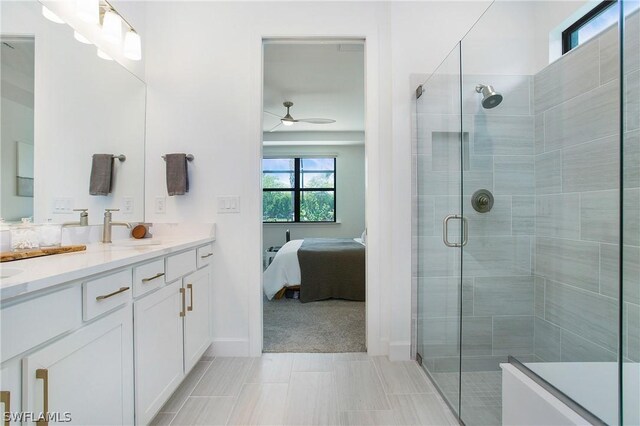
(490, 98)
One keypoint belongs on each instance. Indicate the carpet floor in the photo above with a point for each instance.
(326, 326)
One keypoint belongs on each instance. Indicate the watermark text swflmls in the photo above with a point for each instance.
(30, 416)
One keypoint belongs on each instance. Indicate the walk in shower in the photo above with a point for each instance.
(527, 209)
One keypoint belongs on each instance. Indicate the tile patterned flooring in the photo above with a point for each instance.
(306, 389)
(481, 395)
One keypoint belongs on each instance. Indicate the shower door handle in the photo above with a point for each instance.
(445, 230)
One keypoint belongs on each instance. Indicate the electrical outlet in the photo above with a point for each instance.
(62, 206)
(161, 205)
(127, 205)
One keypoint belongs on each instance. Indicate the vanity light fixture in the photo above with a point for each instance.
(104, 56)
(88, 10)
(132, 46)
(112, 27)
(47, 13)
(81, 38)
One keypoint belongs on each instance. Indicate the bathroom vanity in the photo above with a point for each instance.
(106, 335)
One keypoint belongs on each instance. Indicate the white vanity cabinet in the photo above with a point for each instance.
(87, 374)
(109, 348)
(172, 332)
(10, 390)
(197, 330)
(159, 349)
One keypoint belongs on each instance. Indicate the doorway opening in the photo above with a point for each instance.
(313, 196)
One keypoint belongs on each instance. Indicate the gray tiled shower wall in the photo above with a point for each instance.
(540, 274)
(498, 284)
(577, 202)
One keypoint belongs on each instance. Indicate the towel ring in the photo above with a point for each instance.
(120, 157)
(189, 157)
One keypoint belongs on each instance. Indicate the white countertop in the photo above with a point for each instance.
(44, 272)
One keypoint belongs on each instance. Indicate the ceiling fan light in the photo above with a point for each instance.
(47, 13)
(112, 27)
(132, 46)
(88, 10)
(287, 122)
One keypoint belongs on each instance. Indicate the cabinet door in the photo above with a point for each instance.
(10, 388)
(87, 374)
(197, 326)
(158, 343)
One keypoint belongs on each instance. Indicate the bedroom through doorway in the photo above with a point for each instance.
(313, 196)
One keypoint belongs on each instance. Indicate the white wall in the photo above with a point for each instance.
(350, 189)
(203, 74)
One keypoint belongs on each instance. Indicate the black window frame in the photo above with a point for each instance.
(566, 34)
(298, 188)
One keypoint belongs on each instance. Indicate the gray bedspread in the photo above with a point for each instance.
(331, 268)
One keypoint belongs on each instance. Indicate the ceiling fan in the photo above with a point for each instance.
(288, 120)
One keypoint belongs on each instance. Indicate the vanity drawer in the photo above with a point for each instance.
(106, 293)
(148, 277)
(180, 265)
(205, 255)
(30, 323)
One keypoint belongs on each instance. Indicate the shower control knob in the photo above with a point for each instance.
(482, 200)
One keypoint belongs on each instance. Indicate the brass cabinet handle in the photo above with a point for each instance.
(182, 292)
(43, 374)
(106, 296)
(158, 275)
(206, 255)
(190, 287)
(5, 398)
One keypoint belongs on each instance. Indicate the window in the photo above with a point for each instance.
(593, 23)
(298, 190)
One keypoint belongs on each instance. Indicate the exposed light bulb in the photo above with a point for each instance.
(132, 46)
(81, 38)
(104, 56)
(112, 27)
(51, 16)
(88, 10)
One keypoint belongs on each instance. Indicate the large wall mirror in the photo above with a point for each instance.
(61, 104)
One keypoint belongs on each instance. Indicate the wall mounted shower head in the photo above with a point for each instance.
(490, 98)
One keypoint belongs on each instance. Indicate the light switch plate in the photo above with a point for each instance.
(127, 205)
(161, 205)
(62, 205)
(229, 204)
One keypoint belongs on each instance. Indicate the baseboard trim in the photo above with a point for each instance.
(229, 347)
(400, 351)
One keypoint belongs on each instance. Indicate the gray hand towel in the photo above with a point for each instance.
(101, 174)
(177, 176)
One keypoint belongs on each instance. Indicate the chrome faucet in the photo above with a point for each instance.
(106, 227)
(84, 218)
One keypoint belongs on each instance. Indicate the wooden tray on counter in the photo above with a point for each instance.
(9, 256)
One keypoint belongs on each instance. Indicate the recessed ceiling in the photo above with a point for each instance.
(323, 80)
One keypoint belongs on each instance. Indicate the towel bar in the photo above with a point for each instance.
(120, 157)
(189, 157)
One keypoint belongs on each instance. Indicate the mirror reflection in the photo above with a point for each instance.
(62, 105)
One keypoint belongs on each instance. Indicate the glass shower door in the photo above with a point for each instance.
(438, 158)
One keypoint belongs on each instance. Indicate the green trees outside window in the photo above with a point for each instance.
(299, 190)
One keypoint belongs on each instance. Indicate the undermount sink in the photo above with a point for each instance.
(9, 272)
(136, 243)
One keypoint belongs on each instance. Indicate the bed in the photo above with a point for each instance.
(324, 268)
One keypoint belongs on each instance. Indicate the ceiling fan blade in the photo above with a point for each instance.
(316, 120)
(275, 127)
(275, 115)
